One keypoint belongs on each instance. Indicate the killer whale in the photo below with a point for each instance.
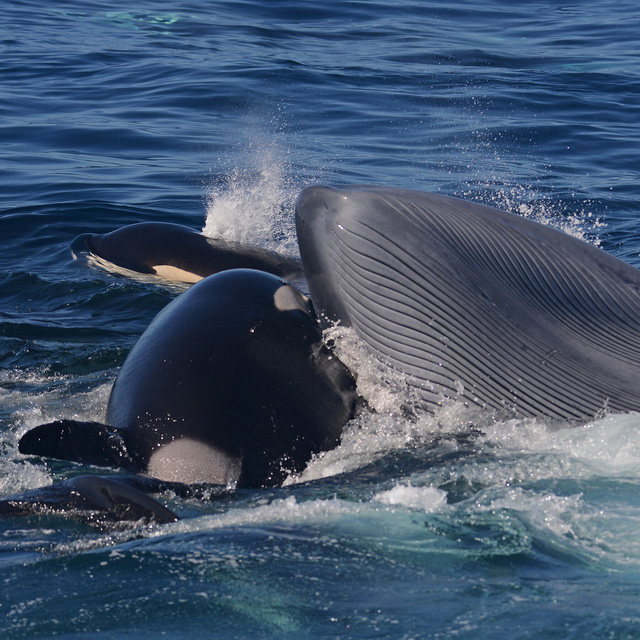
(97, 500)
(179, 253)
(474, 303)
(230, 384)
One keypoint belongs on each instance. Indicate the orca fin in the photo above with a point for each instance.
(121, 501)
(88, 442)
(98, 500)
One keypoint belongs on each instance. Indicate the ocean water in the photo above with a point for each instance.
(215, 115)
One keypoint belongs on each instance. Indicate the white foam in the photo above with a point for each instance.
(579, 223)
(254, 205)
(380, 515)
(287, 510)
(385, 389)
(19, 476)
(554, 513)
(421, 498)
(608, 446)
(27, 405)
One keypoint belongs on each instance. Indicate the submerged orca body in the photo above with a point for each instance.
(176, 252)
(98, 500)
(230, 384)
(475, 303)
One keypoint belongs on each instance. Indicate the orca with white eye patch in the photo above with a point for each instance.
(230, 384)
(178, 253)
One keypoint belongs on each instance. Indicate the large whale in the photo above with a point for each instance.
(474, 303)
(179, 253)
(230, 384)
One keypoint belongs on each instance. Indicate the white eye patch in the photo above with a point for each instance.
(190, 461)
(174, 273)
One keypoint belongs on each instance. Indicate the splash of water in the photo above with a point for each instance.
(526, 202)
(254, 205)
(32, 398)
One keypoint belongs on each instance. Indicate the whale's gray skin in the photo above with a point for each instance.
(230, 383)
(176, 252)
(475, 303)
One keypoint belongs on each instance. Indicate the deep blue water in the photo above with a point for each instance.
(215, 115)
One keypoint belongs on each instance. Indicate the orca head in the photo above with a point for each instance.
(305, 394)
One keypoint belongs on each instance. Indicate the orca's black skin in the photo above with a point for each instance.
(230, 384)
(181, 253)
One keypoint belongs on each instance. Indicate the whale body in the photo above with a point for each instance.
(474, 303)
(232, 384)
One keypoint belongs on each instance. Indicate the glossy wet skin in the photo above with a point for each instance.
(231, 383)
(176, 252)
(475, 303)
